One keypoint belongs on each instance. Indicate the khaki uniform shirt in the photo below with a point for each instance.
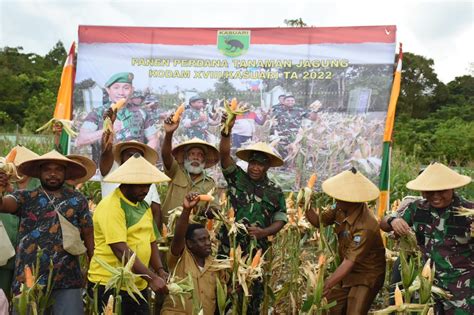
(204, 284)
(360, 242)
(181, 184)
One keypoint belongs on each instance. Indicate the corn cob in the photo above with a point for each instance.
(119, 104)
(177, 115)
(232, 111)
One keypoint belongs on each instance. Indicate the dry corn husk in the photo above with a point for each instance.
(53, 124)
(233, 109)
(122, 275)
(465, 212)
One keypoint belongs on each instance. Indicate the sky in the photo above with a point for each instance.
(440, 30)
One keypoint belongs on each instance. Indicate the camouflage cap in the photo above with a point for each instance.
(259, 157)
(121, 77)
(196, 98)
(138, 94)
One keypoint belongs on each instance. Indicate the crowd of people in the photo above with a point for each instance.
(43, 203)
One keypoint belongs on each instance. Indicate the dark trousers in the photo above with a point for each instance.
(129, 306)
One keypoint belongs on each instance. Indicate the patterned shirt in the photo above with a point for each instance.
(198, 130)
(288, 121)
(257, 203)
(446, 239)
(136, 123)
(40, 228)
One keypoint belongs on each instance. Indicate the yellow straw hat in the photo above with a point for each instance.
(351, 186)
(436, 177)
(90, 166)
(74, 170)
(148, 153)
(247, 153)
(136, 170)
(211, 153)
(23, 154)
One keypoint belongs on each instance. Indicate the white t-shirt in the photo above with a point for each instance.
(108, 188)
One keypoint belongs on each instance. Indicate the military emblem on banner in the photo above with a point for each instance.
(233, 43)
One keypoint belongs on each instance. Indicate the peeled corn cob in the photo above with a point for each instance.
(177, 115)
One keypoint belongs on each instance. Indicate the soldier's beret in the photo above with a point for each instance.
(121, 77)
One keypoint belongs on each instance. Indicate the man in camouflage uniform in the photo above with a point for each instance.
(195, 119)
(288, 118)
(258, 202)
(132, 121)
(442, 235)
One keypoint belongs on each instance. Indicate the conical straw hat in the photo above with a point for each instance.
(351, 186)
(275, 159)
(211, 153)
(148, 153)
(23, 154)
(90, 166)
(438, 177)
(32, 167)
(136, 170)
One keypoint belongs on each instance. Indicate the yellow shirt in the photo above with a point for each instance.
(204, 284)
(181, 184)
(117, 219)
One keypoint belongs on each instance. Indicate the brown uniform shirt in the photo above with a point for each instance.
(204, 284)
(359, 241)
(181, 184)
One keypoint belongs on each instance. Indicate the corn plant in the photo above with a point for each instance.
(34, 297)
(122, 277)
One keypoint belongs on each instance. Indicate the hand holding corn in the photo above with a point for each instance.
(232, 110)
(400, 226)
(190, 200)
(157, 284)
(170, 125)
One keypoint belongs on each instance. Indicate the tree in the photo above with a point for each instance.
(419, 86)
(295, 22)
(224, 88)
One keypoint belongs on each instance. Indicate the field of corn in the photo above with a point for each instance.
(294, 268)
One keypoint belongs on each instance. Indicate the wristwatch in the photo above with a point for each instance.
(389, 221)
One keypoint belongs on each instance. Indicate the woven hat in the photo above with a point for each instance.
(74, 170)
(136, 170)
(210, 152)
(23, 154)
(246, 153)
(437, 177)
(148, 153)
(90, 166)
(351, 186)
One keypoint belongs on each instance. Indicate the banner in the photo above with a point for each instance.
(319, 96)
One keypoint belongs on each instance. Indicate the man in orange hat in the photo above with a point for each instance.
(442, 235)
(40, 227)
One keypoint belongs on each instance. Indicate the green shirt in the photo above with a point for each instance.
(257, 203)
